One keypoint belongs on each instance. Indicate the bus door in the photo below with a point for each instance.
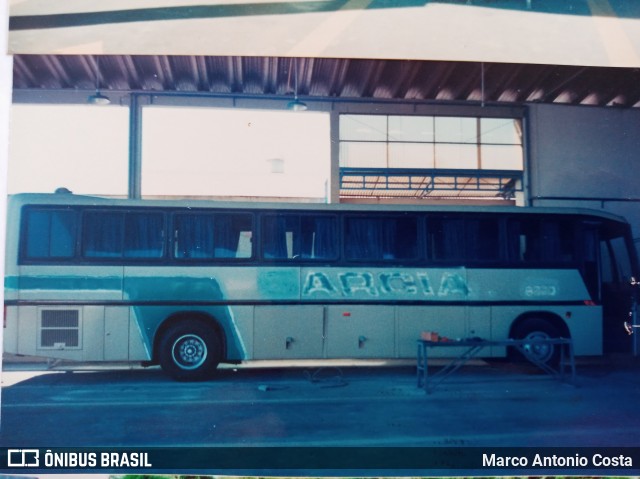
(618, 291)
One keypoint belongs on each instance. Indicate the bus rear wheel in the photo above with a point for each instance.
(538, 328)
(190, 351)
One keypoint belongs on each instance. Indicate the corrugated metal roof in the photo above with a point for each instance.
(333, 78)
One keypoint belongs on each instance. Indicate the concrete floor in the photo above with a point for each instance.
(484, 405)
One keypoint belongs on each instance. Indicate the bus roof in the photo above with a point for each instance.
(20, 199)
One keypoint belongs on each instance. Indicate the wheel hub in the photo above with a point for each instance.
(189, 351)
(542, 352)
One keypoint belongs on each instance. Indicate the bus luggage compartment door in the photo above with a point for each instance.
(360, 331)
(288, 331)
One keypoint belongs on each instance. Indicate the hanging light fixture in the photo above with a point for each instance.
(296, 104)
(98, 98)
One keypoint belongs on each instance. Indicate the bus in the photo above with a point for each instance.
(190, 284)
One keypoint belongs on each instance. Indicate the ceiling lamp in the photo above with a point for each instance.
(98, 98)
(296, 105)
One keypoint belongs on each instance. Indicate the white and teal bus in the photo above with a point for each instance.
(191, 284)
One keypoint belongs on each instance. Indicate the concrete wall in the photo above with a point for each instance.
(585, 156)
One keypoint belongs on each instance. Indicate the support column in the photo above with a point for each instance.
(135, 146)
(6, 80)
(333, 195)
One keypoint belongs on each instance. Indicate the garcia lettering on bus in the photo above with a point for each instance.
(387, 283)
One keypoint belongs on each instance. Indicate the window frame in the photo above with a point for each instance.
(122, 258)
(465, 259)
(418, 258)
(540, 222)
(436, 141)
(213, 213)
(23, 240)
(300, 215)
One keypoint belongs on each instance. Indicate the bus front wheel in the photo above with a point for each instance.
(190, 351)
(538, 328)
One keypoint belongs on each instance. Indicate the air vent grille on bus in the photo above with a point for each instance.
(60, 328)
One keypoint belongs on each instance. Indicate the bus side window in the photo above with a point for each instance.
(606, 263)
(233, 233)
(446, 238)
(483, 240)
(207, 236)
(463, 239)
(113, 234)
(193, 236)
(50, 233)
(525, 240)
(144, 235)
(535, 240)
(318, 237)
(361, 239)
(589, 258)
(385, 238)
(278, 234)
(403, 243)
(616, 264)
(102, 234)
(516, 241)
(558, 241)
(299, 237)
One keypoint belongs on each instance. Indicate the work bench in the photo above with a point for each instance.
(472, 347)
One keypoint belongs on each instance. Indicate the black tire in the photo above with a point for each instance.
(538, 328)
(190, 351)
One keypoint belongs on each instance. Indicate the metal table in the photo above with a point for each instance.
(565, 368)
